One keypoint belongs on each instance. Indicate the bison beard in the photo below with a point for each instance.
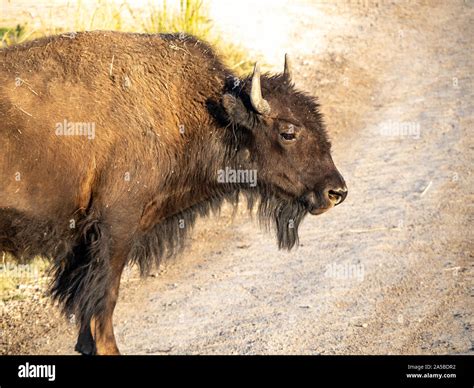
(284, 216)
(287, 217)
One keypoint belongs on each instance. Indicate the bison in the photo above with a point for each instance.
(112, 144)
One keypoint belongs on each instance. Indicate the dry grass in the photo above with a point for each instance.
(190, 17)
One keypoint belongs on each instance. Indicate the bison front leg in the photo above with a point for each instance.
(87, 282)
(102, 328)
(96, 337)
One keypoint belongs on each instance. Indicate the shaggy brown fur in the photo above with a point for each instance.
(168, 115)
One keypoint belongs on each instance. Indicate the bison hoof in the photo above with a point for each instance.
(85, 344)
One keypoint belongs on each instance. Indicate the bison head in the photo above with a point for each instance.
(284, 139)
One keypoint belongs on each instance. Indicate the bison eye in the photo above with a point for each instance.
(288, 136)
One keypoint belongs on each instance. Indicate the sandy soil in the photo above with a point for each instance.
(388, 272)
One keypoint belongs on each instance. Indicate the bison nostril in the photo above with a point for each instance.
(337, 196)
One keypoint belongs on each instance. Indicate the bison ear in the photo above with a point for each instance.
(235, 109)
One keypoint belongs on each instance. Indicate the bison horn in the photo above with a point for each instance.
(288, 68)
(258, 102)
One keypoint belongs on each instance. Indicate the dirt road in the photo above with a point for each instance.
(390, 270)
